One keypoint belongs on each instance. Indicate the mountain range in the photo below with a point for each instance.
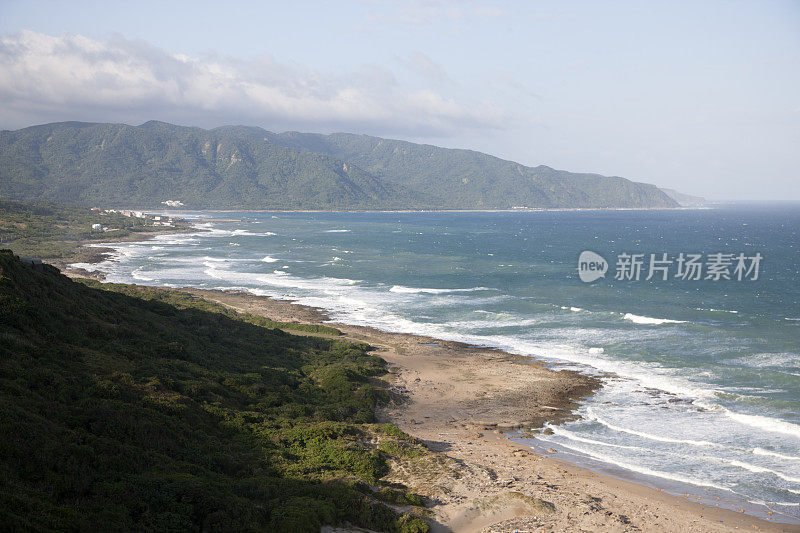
(238, 167)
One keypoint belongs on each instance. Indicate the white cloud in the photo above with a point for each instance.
(47, 78)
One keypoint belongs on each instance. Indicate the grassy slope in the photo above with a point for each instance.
(123, 413)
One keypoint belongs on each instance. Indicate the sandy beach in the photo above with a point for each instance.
(460, 400)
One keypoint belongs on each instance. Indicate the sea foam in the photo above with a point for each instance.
(637, 319)
(643, 469)
(762, 470)
(649, 436)
(765, 423)
(572, 436)
(762, 451)
(416, 290)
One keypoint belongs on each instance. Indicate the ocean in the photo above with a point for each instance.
(702, 376)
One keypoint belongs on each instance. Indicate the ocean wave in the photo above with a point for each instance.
(637, 319)
(89, 267)
(137, 274)
(507, 322)
(416, 290)
(251, 233)
(573, 309)
(190, 239)
(780, 360)
(336, 231)
(120, 252)
(765, 423)
(763, 470)
(784, 504)
(268, 259)
(770, 504)
(278, 279)
(640, 469)
(646, 374)
(222, 259)
(716, 310)
(762, 451)
(208, 230)
(591, 416)
(572, 436)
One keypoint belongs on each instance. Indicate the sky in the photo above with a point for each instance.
(702, 97)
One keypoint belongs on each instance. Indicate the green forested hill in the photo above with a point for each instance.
(469, 179)
(125, 408)
(119, 165)
(243, 167)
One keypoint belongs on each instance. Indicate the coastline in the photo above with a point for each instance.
(526, 210)
(464, 402)
(98, 253)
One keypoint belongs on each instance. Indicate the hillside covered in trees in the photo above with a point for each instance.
(235, 167)
(129, 408)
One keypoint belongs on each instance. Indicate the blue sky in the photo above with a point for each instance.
(703, 97)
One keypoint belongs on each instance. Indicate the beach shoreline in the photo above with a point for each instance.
(463, 401)
(100, 252)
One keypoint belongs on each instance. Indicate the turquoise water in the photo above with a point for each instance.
(702, 378)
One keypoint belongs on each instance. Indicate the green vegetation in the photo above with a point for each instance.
(114, 165)
(185, 300)
(397, 443)
(239, 167)
(466, 179)
(161, 413)
(55, 233)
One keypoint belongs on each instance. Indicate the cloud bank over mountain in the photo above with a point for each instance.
(75, 77)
